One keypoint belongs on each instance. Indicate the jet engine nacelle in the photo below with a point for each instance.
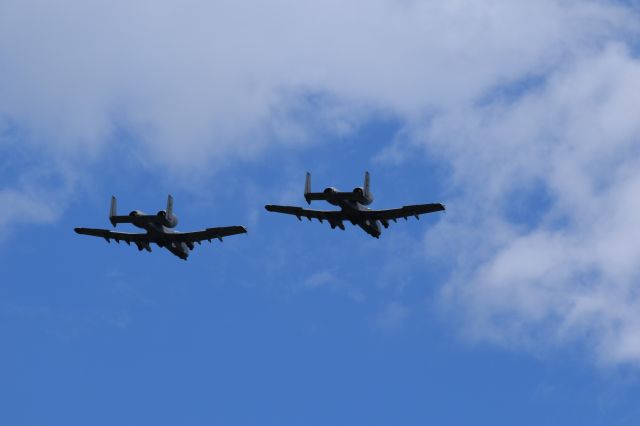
(168, 220)
(330, 200)
(365, 199)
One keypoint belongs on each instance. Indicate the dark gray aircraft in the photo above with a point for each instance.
(158, 227)
(353, 208)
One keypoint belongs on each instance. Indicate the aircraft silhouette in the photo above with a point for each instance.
(159, 231)
(353, 208)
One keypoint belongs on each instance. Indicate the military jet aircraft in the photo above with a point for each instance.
(158, 227)
(353, 208)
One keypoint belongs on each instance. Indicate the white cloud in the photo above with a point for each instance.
(33, 199)
(24, 206)
(195, 79)
(570, 153)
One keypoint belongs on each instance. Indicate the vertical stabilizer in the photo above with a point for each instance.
(113, 210)
(367, 193)
(307, 187)
(169, 206)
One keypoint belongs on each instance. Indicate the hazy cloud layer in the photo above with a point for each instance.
(531, 103)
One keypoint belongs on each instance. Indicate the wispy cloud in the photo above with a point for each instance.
(329, 280)
(392, 317)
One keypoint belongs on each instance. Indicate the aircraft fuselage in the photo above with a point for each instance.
(353, 210)
(157, 233)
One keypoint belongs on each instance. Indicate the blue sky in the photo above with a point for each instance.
(519, 305)
(242, 334)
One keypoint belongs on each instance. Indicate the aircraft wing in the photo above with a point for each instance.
(406, 211)
(118, 236)
(330, 216)
(207, 234)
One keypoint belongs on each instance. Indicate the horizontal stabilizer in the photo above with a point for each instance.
(326, 196)
(121, 219)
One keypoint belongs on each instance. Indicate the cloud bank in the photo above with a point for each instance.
(548, 234)
(533, 104)
(193, 80)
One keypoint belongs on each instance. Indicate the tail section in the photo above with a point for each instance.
(361, 195)
(307, 187)
(113, 214)
(367, 193)
(169, 206)
(113, 211)
(169, 219)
